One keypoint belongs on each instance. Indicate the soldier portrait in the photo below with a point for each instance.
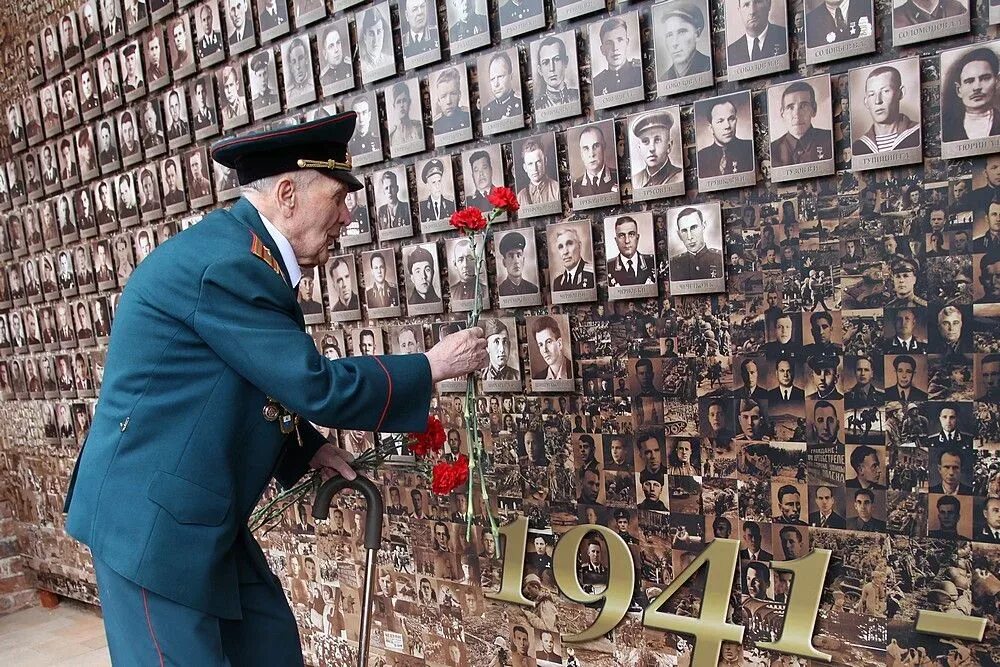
(90, 100)
(418, 28)
(204, 118)
(917, 20)
(631, 249)
(460, 257)
(449, 93)
(107, 147)
(178, 126)
(556, 87)
(51, 119)
(468, 25)
(615, 48)
(724, 140)
(500, 103)
(436, 193)
(33, 61)
(407, 339)
(199, 187)
(172, 183)
(234, 102)
(69, 105)
(308, 11)
(571, 262)
(404, 111)
(310, 297)
(272, 16)
(110, 84)
(128, 204)
(69, 40)
(656, 153)
(150, 206)
(296, 59)
(51, 58)
(503, 372)
(136, 15)
(342, 284)
(128, 138)
(970, 121)
(181, 46)
(392, 203)
(836, 30)
(90, 26)
(949, 517)
(358, 230)
(240, 33)
(422, 279)
(226, 184)
(381, 283)
(885, 114)
(482, 170)
(154, 138)
(366, 143)
(520, 16)
(536, 175)
(86, 153)
(336, 72)
(694, 243)
(517, 268)
(682, 46)
(263, 74)
(374, 30)
(549, 352)
(157, 67)
(987, 273)
(208, 34)
(800, 117)
(593, 164)
(15, 128)
(756, 38)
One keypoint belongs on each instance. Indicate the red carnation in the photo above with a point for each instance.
(505, 199)
(431, 440)
(446, 477)
(468, 219)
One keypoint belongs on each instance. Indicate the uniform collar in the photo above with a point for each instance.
(285, 248)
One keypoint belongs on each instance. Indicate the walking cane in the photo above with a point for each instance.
(373, 540)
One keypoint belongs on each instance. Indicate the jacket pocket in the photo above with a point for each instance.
(186, 501)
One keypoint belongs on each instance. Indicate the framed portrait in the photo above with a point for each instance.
(374, 30)
(449, 93)
(418, 30)
(104, 269)
(911, 22)
(885, 102)
(517, 268)
(51, 118)
(233, 99)
(460, 256)
(90, 97)
(422, 279)
(136, 15)
(630, 246)
(550, 353)
(128, 138)
(32, 175)
(181, 46)
(330, 343)
(435, 193)
(308, 11)
(66, 218)
(154, 138)
(32, 284)
(682, 46)
(482, 170)
(392, 203)
(33, 61)
(109, 82)
(694, 246)
(405, 115)
(150, 202)
(69, 170)
(593, 165)
(83, 207)
(381, 283)
(178, 126)
(90, 28)
(800, 118)
(407, 339)
(833, 33)
(367, 341)
(756, 38)
(69, 40)
(160, 8)
(104, 206)
(296, 58)
(51, 55)
(128, 203)
(124, 258)
(15, 181)
(240, 35)
(33, 240)
(569, 9)
(16, 134)
(536, 175)
(263, 73)
(336, 65)
(310, 297)
(107, 146)
(518, 17)
(966, 100)
(157, 67)
(272, 16)
(50, 169)
(468, 25)
(205, 119)
(199, 187)
(227, 185)
(616, 57)
(500, 105)
(358, 231)
(65, 275)
(208, 33)
(366, 142)
(84, 269)
(172, 183)
(656, 153)
(572, 277)
(86, 153)
(33, 129)
(724, 141)
(503, 372)
(342, 283)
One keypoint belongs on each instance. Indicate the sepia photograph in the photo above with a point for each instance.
(90, 98)
(240, 35)
(226, 184)
(109, 82)
(296, 61)
(482, 170)
(16, 134)
(500, 105)
(970, 124)
(631, 250)
(405, 116)
(208, 34)
(181, 45)
(916, 21)
(460, 257)
(51, 118)
(178, 126)
(381, 283)
(572, 277)
(724, 142)
(310, 297)
(199, 187)
(503, 372)
(112, 23)
(616, 60)
(517, 268)
(393, 216)
(272, 16)
(418, 29)
(342, 285)
(756, 38)
(682, 46)
(407, 339)
(366, 142)
(536, 175)
(376, 54)
(694, 244)
(550, 353)
(90, 28)
(834, 31)
(468, 25)
(51, 56)
(656, 155)
(556, 86)
(593, 165)
(264, 100)
(435, 193)
(885, 114)
(800, 120)
(449, 93)
(336, 72)
(69, 40)
(136, 15)
(422, 279)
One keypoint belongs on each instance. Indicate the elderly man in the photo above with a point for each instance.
(419, 34)
(505, 102)
(481, 165)
(498, 346)
(599, 177)
(891, 130)
(654, 134)
(464, 264)
(577, 273)
(182, 580)
(436, 206)
(949, 338)
(802, 142)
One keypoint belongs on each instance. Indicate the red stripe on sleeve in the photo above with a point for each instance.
(388, 398)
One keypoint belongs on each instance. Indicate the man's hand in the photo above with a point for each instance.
(331, 460)
(458, 354)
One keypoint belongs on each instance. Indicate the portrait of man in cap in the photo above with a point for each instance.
(300, 88)
(630, 267)
(833, 21)
(394, 211)
(695, 258)
(466, 21)
(825, 378)
(653, 135)
(567, 251)
(501, 341)
(209, 34)
(406, 133)
(422, 277)
(273, 17)
(879, 123)
(342, 280)
(802, 141)
(501, 87)
(718, 130)
(133, 83)
(239, 26)
(969, 92)
(418, 26)
(548, 347)
(614, 42)
(380, 279)
(263, 84)
(533, 177)
(450, 101)
(436, 205)
(553, 61)
(594, 145)
(904, 282)
(461, 255)
(682, 47)
(479, 164)
(337, 70)
(366, 139)
(754, 36)
(512, 246)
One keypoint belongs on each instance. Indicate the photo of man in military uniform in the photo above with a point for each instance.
(263, 82)
(598, 176)
(366, 137)
(698, 260)
(381, 292)
(436, 206)
(653, 137)
(422, 274)
(881, 94)
(541, 187)
(629, 266)
(480, 166)
(830, 23)
(464, 21)
(621, 72)
(502, 81)
(512, 256)
(418, 27)
(802, 141)
(718, 119)
(498, 345)
(395, 211)
(449, 94)
(567, 247)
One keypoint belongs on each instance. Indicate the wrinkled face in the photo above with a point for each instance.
(827, 424)
(950, 326)
(882, 97)
(421, 274)
(551, 66)
(592, 150)
(976, 86)
(550, 346)
(320, 212)
(627, 237)
(691, 230)
(333, 48)
(791, 506)
(568, 248)
(499, 77)
(482, 174)
(723, 122)
(948, 419)
(237, 13)
(613, 45)
(681, 38)
(654, 147)
(950, 468)
(416, 14)
(797, 111)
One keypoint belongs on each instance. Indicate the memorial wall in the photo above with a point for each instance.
(752, 292)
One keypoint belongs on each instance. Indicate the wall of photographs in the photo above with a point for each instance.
(752, 292)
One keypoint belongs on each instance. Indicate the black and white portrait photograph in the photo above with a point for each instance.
(556, 83)
(836, 29)
(631, 250)
(422, 279)
(374, 30)
(308, 11)
(694, 245)
(86, 153)
(800, 118)
(90, 98)
(263, 72)
(51, 118)
(127, 200)
(136, 15)
(404, 113)
(449, 93)
(272, 16)
(51, 57)
(178, 125)
(381, 283)
(920, 20)
(33, 129)
(227, 185)
(520, 16)
(69, 40)
(296, 61)
(33, 175)
(204, 116)
(418, 29)
(503, 372)
(107, 146)
(366, 142)
(133, 76)
(18, 193)
(172, 184)
(342, 285)
(240, 35)
(199, 187)
(110, 83)
(616, 60)
(83, 208)
(33, 61)
(656, 154)
(69, 105)
(568, 9)
(482, 170)
(572, 276)
(406, 339)
(208, 34)
(517, 268)
(756, 38)
(500, 98)
(393, 217)
(128, 138)
(367, 341)
(182, 60)
(460, 258)
(104, 268)
(66, 219)
(310, 297)
(90, 28)
(16, 134)
(682, 46)
(468, 25)
(724, 141)
(336, 73)
(593, 165)
(550, 352)
(435, 193)
(157, 66)
(885, 114)
(536, 175)
(358, 229)
(154, 137)
(106, 211)
(970, 118)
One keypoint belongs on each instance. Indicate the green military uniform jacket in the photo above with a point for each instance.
(179, 451)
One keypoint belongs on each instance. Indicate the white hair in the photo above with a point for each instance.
(267, 184)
